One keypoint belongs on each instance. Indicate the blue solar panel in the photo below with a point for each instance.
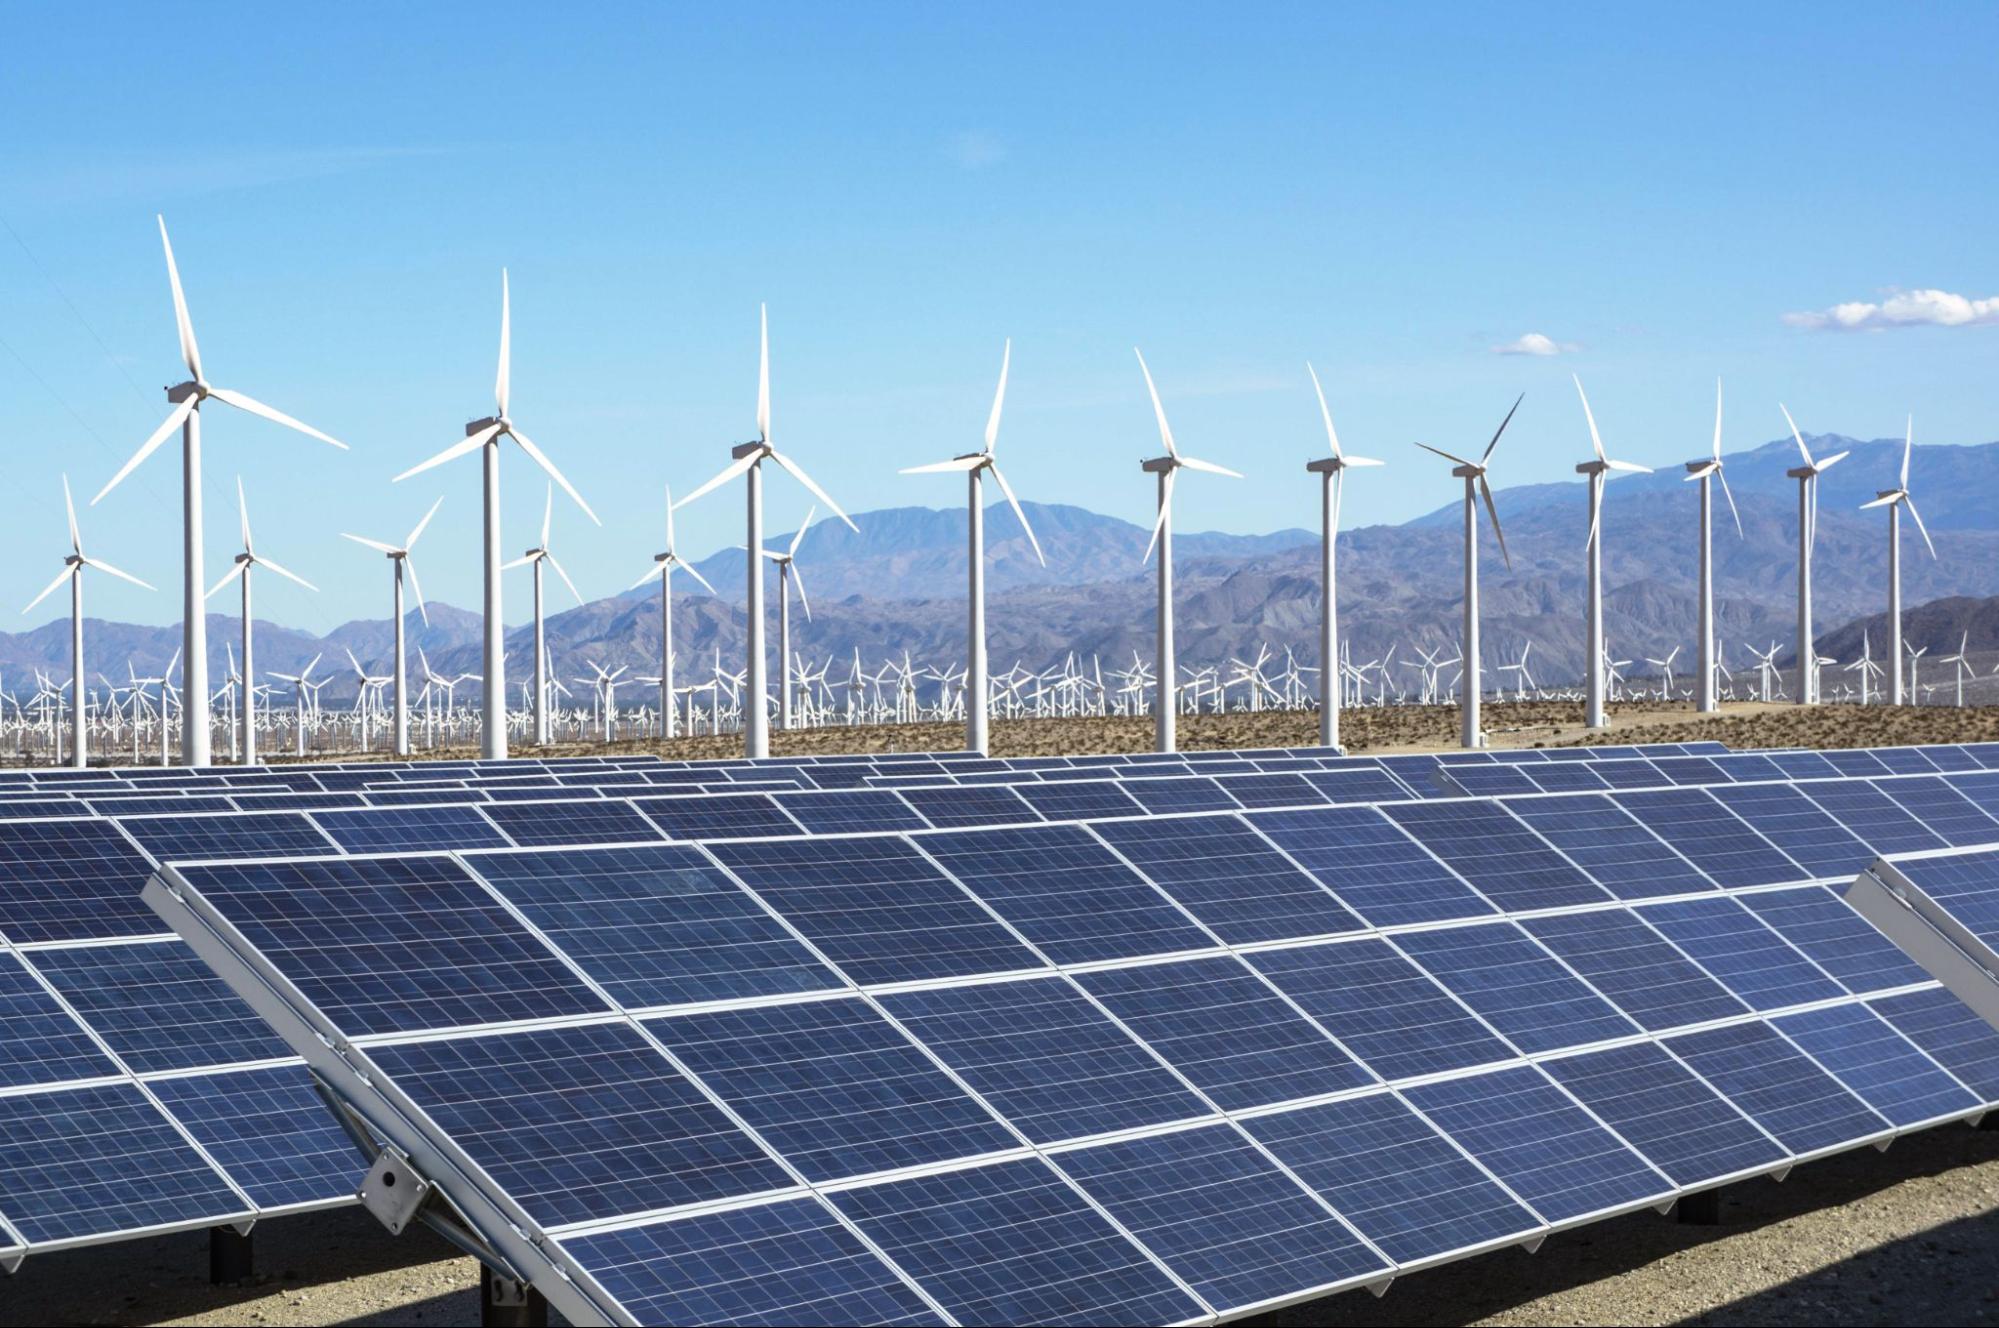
(1876, 818)
(539, 825)
(1193, 793)
(1510, 864)
(1746, 956)
(140, 804)
(239, 835)
(1230, 878)
(1072, 800)
(19, 808)
(1226, 1220)
(1489, 779)
(71, 881)
(1381, 873)
(1046, 1059)
(410, 829)
(1888, 1072)
(80, 1162)
(424, 797)
(717, 816)
(270, 1129)
(832, 1086)
(1711, 837)
(1836, 938)
(775, 1264)
(655, 924)
(1780, 1087)
(1676, 1121)
(158, 1006)
(1797, 825)
(969, 806)
(1066, 893)
(1278, 790)
(1531, 1135)
(847, 811)
(1568, 777)
(39, 1042)
(1636, 968)
(386, 945)
(877, 908)
(1855, 762)
(1014, 1244)
(1394, 1177)
(1954, 1036)
(1356, 785)
(1601, 838)
(1515, 986)
(1224, 1028)
(1942, 809)
(580, 1122)
(1382, 1007)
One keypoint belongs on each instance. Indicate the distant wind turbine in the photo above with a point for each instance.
(399, 555)
(535, 557)
(663, 565)
(1166, 467)
(975, 465)
(1332, 473)
(1708, 470)
(1476, 488)
(789, 579)
(1895, 500)
(1807, 477)
(249, 558)
(1598, 470)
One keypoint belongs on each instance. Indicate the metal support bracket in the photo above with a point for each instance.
(393, 1191)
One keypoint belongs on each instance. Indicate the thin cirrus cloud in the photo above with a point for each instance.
(1915, 308)
(1536, 343)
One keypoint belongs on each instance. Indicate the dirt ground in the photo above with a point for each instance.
(1910, 1236)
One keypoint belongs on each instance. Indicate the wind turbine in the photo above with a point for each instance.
(187, 399)
(747, 459)
(1473, 474)
(1598, 470)
(1707, 471)
(400, 557)
(535, 557)
(788, 577)
(1895, 500)
(72, 571)
(1332, 473)
(975, 465)
(243, 563)
(484, 436)
(1166, 467)
(1807, 477)
(663, 565)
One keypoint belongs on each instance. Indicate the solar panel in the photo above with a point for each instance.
(1711, 837)
(410, 829)
(1806, 833)
(1873, 816)
(1886, 1070)
(534, 825)
(42, 1044)
(1508, 863)
(1836, 938)
(1074, 801)
(1515, 986)
(1941, 809)
(1192, 793)
(269, 1129)
(847, 811)
(970, 806)
(70, 881)
(1951, 1032)
(1600, 837)
(158, 1006)
(1779, 1087)
(1229, 877)
(1741, 952)
(1635, 967)
(190, 838)
(1371, 865)
(1659, 1107)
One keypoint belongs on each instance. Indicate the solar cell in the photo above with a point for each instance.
(970, 806)
(1943, 811)
(1836, 938)
(1229, 877)
(1356, 785)
(1190, 793)
(1272, 790)
(1806, 833)
(1668, 1115)
(539, 825)
(1511, 865)
(846, 811)
(70, 881)
(1376, 869)
(1873, 816)
(1711, 837)
(410, 829)
(39, 1042)
(1741, 952)
(158, 1006)
(1072, 800)
(1778, 1086)
(237, 835)
(270, 1130)
(1601, 838)
(1882, 1067)
(1636, 968)
(1953, 1035)
(1515, 986)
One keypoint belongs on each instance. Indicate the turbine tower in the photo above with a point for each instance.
(187, 399)
(247, 697)
(1707, 471)
(72, 571)
(1598, 471)
(1473, 474)
(974, 465)
(663, 565)
(535, 557)
(747, 459)
(1166, 467)
(1332, 473)
(400, 556)
(788, 578)
(1895, 500)
(484, 436)
(1807, 477)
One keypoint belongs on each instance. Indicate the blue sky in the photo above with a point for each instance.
(1391, 193)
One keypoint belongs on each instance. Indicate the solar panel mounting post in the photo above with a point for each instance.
(1702, 1209)
(506, 1303)
(230, 1256)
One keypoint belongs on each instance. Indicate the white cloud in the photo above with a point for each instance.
(1534, 343)
(1916, 308)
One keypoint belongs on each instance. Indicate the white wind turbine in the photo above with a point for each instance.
(72, 571)
(247, 693)
(1807, 477)
(663, 565)
(399, 555)
(788, 578)
(1707, 470)
(1895, 500)
(187, 399)
(484, 436)
(1598, 470)
(1166, 700)
(975, 465)
(747, 459)
(1473, 474)
(535, 557)
(1332, 473)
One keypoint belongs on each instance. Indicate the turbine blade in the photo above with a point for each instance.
(373, 544)
(1007, 489)
(540, 460)
(469, 443)
(409, 564)
(174, 419)
(286, 573)
(235, 570)
(1192, 464)
(729, 472)
(255, 407)
(1833, 460)
(122, 576)
(1595, 439)
(1717, 420)
(799, 474)
(243, 510)
(62, 576)
(1908, 445)
(1339, 497)
(1445, 455)
(1595, 516)
(1911, 504)
(1722, 475)
(669, 518)
(1882, 502)
(798, 584)
(1485, 492)
(189, 352)
(939, 467)
(1806, 451)
(547, 514)
(763, 372)
(1159, 522)
(504, 381)
(691, 570)
(803, 526)
(521, 561)
(1628, 467)
(1165, 430)
(69, 506)
(656, 570)
(1501, 429)
(1324, 413)
(1362, 461)
(416, 534)
(999, 397)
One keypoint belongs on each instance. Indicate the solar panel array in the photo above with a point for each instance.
(1159, 1067)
